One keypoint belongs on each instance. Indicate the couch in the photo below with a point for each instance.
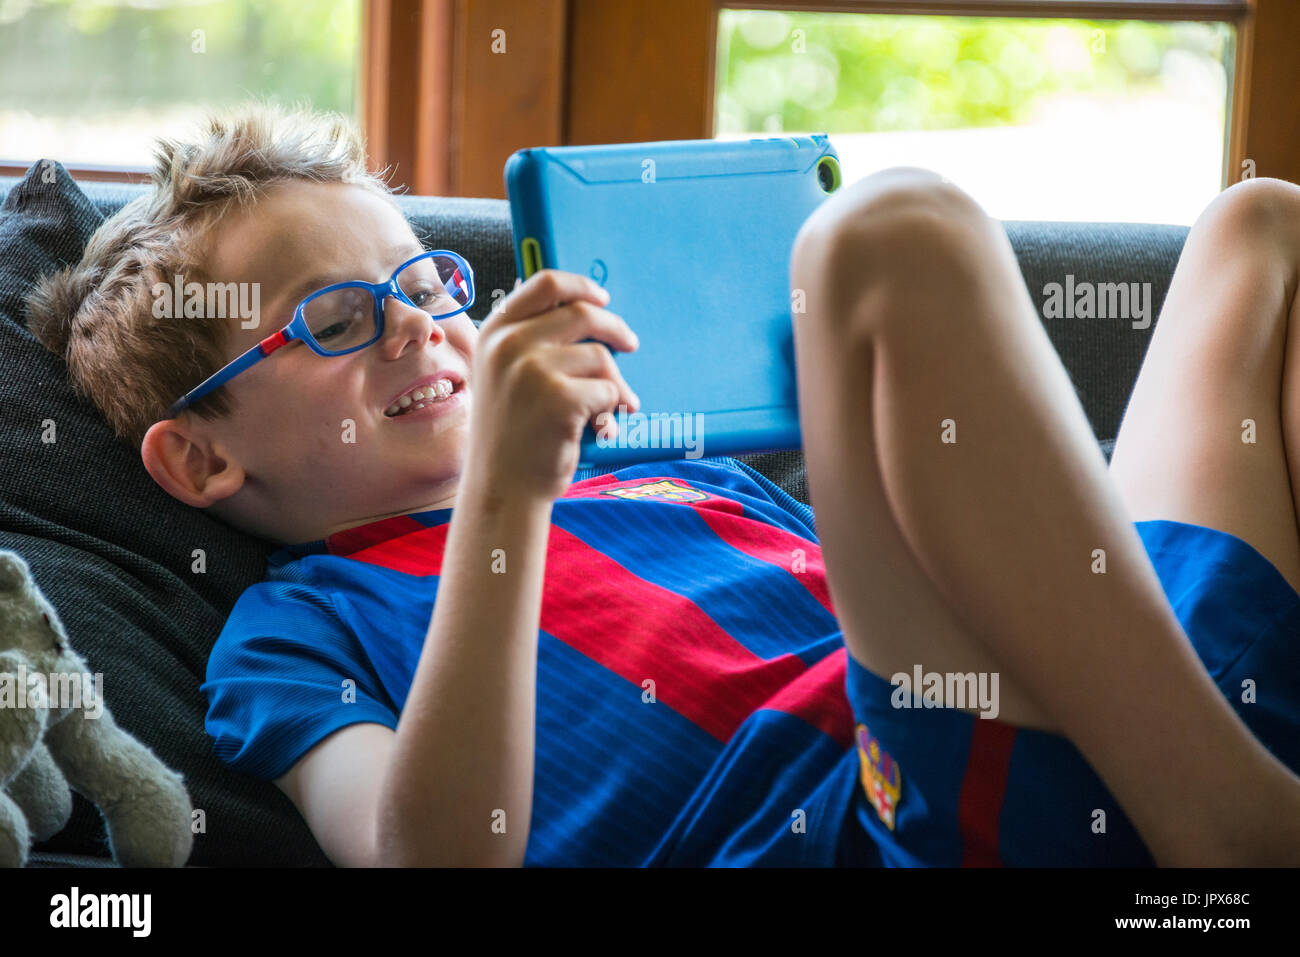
(114, 553)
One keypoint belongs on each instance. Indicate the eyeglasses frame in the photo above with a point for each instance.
(298, 329)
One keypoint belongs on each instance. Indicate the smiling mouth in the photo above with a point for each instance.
(418, 398)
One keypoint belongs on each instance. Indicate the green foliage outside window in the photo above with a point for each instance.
(865, 72)
(71, 58)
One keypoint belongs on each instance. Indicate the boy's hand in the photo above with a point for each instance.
(537, 384)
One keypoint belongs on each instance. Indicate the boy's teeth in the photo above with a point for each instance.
(433, 393)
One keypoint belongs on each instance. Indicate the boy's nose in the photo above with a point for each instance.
(405, 323)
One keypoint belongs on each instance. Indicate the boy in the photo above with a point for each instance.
(544, 711)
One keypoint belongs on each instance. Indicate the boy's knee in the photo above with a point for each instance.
(905, 232)
(1264, 210)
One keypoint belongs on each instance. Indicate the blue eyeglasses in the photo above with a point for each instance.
(349, 316)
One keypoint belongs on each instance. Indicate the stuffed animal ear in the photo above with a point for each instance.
(14, 572)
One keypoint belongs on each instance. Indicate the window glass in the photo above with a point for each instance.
(1037, 119)
(94, 83)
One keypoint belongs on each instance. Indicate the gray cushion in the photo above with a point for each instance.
(1102, 356)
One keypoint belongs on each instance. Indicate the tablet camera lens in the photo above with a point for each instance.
(826, 177)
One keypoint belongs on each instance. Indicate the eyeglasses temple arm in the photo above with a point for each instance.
(228, 372)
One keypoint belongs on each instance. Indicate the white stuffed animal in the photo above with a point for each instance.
(56, 732)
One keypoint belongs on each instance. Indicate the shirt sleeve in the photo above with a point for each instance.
(284, 674)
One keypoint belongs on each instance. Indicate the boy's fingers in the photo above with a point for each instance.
(547, 290)
(595, 396)
(593, 360)
(578, 321)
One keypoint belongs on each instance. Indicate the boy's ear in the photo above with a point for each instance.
(187, 465)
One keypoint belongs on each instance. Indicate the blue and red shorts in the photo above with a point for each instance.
(945, 787)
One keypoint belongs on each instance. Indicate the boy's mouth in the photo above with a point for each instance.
(436, 388)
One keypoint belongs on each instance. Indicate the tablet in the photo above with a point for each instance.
(692, 239)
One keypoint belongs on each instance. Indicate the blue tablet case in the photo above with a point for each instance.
(692, 239)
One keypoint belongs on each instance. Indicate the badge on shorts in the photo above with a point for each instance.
(880, 777)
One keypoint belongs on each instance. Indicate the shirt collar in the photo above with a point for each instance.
(358, 537)
(354, 539)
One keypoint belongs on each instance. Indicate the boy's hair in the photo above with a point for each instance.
(99, 315)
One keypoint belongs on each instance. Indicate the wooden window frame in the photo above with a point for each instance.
(610, 60)
(83, 172)
(442, 110)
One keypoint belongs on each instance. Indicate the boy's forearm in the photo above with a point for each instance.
(458, 789)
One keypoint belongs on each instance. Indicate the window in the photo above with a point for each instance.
(1118, 120)
(94, 84)
(445, 90)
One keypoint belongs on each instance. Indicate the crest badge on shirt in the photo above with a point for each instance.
(669, 490)
(881, 780)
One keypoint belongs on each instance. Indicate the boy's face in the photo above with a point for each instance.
(316, 451)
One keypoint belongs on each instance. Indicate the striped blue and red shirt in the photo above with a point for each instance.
(691, 704)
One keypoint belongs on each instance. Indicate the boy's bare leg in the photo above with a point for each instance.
(1223, 352)
(979, 554)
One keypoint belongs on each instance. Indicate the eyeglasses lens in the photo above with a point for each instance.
(345, 318)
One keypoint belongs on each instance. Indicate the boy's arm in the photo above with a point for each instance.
(471, 708)
(336, 784)
(458, 785)
(457, 789)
